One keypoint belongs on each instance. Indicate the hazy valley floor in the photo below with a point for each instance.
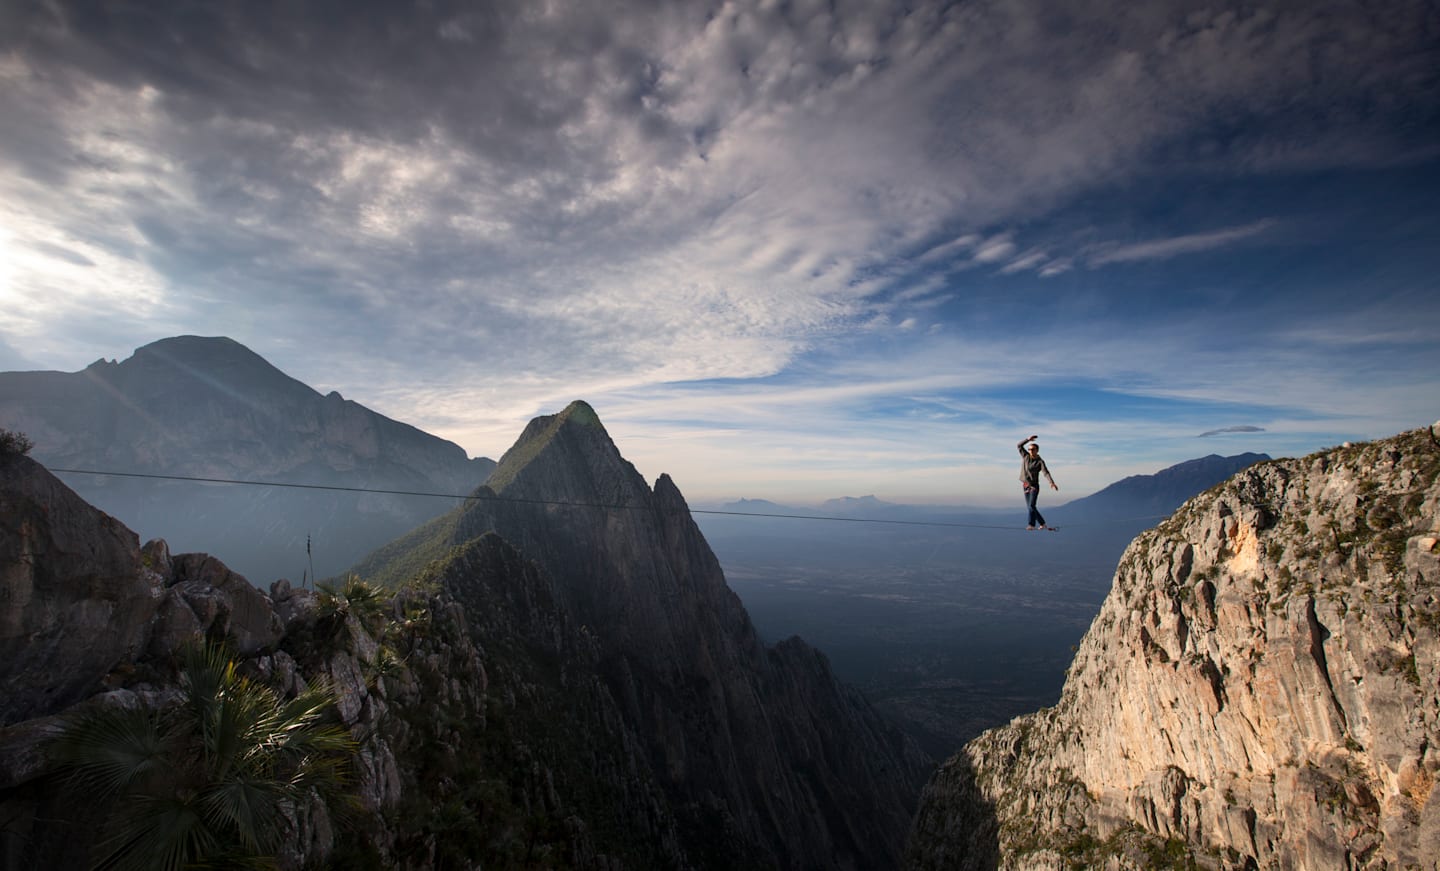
(949, 632)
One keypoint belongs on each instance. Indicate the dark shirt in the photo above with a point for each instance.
(1031, 468)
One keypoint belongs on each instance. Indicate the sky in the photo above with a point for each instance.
(793, 251)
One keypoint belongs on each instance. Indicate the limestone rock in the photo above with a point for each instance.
(1260, 689)
(226, 604)
(75, 601)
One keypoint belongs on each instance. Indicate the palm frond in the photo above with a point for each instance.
(248, 809)
(164, 834)
(114, 750)
(206, 783)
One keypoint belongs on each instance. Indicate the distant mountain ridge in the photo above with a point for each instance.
(1145, 497)
(1163, 491)
(210, 407)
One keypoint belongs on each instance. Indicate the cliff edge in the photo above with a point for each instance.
(1261, 689)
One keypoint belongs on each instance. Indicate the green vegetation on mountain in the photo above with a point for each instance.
(208, 781)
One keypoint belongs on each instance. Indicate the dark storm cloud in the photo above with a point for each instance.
(531, 99)
(251, 91)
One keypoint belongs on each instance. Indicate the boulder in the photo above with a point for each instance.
(75, 598)
(226, 604)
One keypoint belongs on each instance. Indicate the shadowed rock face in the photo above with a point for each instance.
(210, 407)
(1261, 688)
(665, 736)
(548, 764)
(74, 598)
(761, 751)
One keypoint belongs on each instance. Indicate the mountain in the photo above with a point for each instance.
(1149, 497)
(755, 506)
(1137, 500)
(766, 758)
(1259, 690)
(1104, 522)
(560, 678)
(212, 408)
(483, 734)
(853, 506)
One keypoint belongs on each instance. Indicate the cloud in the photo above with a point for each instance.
(949, 249)
(468, 215)
(994, 249)
(1230, 429)
(1056, 267)
(1029, 260)
(1163, 249)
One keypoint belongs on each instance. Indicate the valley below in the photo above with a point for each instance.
(949, 633)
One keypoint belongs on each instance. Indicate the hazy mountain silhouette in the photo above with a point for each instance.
(1160, 493)
(212, 408)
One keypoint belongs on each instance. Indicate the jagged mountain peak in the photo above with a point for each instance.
(567, 456)
(722, 715)
(544, 427)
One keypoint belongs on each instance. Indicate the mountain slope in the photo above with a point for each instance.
(1158, 494)
(1261, 689)
(761, 752)
(210, 407)
(485, 734)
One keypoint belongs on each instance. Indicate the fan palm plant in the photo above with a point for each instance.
(212, 781)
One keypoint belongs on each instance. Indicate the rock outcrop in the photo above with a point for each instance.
(74, 596)
(766, 759)
(1261, 689)
(212, 408)
(505, 706)
(484, 733)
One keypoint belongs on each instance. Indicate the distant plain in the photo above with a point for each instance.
(948, 629)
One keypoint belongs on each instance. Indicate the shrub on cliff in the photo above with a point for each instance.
(12, 442)
(211, 781)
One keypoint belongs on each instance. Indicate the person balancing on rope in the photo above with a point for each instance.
(1031, 468)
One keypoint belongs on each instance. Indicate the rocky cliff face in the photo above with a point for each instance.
(210, 407)
(485, 736)
(1261, 689)
(76, 598)
(766, 759)
(592, 697)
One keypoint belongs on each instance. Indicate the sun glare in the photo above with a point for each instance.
(7, 267)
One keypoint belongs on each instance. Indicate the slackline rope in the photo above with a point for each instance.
(474, 497)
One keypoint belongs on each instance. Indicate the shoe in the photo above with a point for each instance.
(1030, 528)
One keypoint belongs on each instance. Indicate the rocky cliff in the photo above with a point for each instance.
(1261, 689)
(765, 757)
(506, 709)
(484, 736)
(210, 407)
